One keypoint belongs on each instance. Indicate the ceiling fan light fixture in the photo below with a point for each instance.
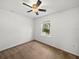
(35, 10)
(35, 7)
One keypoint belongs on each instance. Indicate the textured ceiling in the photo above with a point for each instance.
(50, 5)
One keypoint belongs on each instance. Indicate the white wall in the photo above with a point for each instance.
(14, 29)
(65, 30)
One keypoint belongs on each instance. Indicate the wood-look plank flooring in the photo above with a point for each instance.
(35, 50)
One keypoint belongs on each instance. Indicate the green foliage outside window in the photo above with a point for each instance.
(46, 28)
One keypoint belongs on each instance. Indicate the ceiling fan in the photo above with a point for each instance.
(35, 7)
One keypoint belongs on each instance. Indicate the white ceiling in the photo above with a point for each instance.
(51, 6)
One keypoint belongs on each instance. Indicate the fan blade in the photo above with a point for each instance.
(38, 3)
(44, 10)
(27, 5)
(29, 11)
(37, 13)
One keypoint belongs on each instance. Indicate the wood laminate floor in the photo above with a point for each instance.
(35, 50)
